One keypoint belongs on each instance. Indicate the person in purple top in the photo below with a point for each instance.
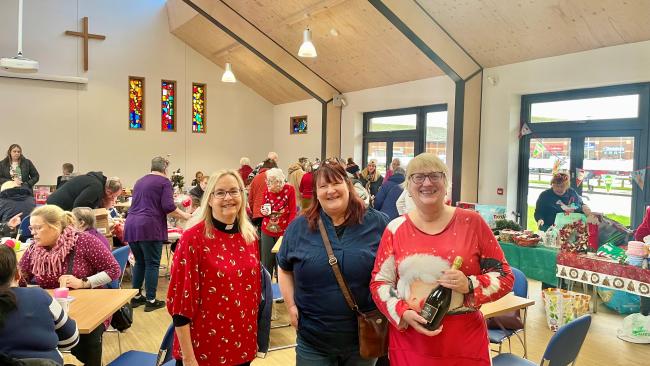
(145, 230)
(84, 220)
(63, 255)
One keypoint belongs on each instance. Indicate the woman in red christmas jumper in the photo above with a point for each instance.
(279, 209)
(214, 291)
(415, 256)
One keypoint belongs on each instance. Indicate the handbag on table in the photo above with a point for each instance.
(372, 325)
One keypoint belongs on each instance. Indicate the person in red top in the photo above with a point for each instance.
(306, 189)
(279, 209)
(215, 285)
(415, 256)
(244, 170)
(256, 193)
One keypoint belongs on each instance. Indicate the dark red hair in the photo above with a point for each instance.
(331, 171)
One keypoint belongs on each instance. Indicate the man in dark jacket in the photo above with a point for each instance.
(15, 200)
(386, 198)
(92, 190)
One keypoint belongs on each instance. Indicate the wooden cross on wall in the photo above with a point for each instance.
(85, 35)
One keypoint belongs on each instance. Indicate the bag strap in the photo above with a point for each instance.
(70, 261)
(337, 271)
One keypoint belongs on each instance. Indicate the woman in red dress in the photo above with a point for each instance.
(214, 291)
(415, 256)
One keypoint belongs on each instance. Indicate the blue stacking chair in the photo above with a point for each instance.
(163, 356)
(562, 349)
(277, 298)
(498, 336)
(122, 257)
(25, 233)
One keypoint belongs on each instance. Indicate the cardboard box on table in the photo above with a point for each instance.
(102, 222)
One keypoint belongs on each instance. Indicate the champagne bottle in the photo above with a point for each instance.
(438, 301)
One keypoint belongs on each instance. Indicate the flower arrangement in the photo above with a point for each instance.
(178, 179)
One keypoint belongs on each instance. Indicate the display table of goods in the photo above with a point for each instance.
(533, 254)
(605, 272)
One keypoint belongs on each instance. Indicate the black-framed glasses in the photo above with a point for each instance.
(222, 194)
(434, 177)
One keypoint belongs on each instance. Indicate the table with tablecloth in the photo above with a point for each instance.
(603, 272)
(538, 263)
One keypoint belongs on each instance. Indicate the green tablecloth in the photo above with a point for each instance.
(537, 263)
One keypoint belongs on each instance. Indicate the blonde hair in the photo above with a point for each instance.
(54, 216)
(426, 162)
(246, 228)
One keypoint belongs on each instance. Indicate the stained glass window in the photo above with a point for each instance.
(136, 103)
(198, 107)
(168, 105)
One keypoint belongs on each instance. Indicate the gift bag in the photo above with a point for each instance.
(636, 329)
(562, 219)
(563, 306)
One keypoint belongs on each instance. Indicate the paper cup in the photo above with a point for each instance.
(65, 303)
(61, 293)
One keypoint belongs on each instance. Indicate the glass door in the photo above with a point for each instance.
(404, 151)
(600, 168)
(546, 155)
(607, 186)
(378, 150)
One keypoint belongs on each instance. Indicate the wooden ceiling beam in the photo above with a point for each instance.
(311, 11)
(421, 29)
(226, 50)
(251, 37)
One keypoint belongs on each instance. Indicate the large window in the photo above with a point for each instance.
(599, 137)
(404, 133)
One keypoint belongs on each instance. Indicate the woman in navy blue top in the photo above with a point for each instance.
(327, 327)
(558, 199)
(32, 323)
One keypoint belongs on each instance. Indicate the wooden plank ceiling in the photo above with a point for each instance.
(359, 49)
(498, 32)
(352, 54)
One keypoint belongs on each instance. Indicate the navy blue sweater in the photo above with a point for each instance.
(325, 320)
(37, 327)
(386, 198)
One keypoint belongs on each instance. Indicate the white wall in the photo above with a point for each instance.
(88, 124)
(439, 90)
(502, 104)
(291, 147)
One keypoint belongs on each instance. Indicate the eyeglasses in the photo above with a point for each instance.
(222, 194)
(435, 177)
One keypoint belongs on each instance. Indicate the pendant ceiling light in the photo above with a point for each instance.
(307, 48)
(228, 75)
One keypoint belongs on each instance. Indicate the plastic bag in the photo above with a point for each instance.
(563, 306)
(491, 213)
(620, 301)
(562, 219)
(636, 329)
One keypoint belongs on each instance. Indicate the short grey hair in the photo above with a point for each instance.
(244, 161)
(275, 174)
(84, 215)
(159, 164)
(113, 184)
(399, 170)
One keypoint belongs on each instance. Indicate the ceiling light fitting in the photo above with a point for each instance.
(228, 75)
(307, 48)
